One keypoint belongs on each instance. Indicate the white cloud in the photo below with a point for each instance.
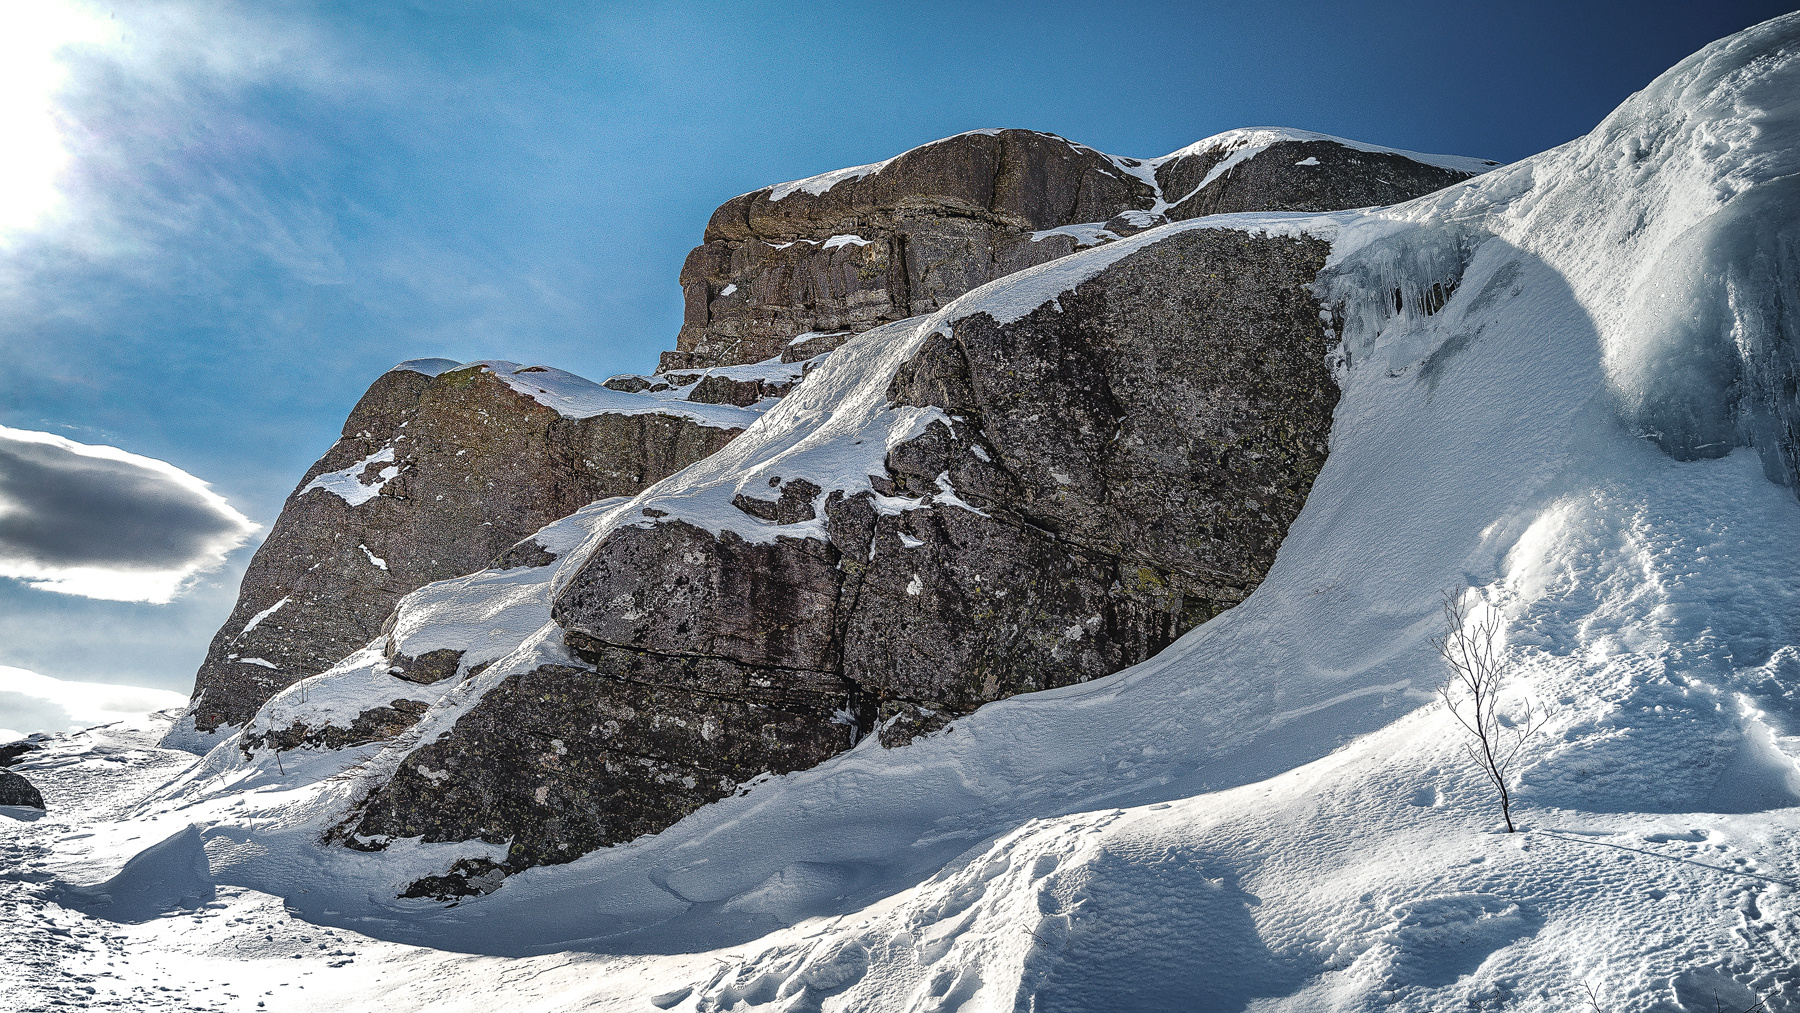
(30, 702)
(103, 523)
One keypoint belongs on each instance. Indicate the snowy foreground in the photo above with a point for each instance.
(1273, 814)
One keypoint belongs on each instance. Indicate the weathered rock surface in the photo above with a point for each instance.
(849, 250)
(861, 247)
(1069, 489)
(1106, 472)
(439, 470)
(12, 751)
(15, 790)
(1288, 170)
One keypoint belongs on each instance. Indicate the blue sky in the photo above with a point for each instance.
(259, 208)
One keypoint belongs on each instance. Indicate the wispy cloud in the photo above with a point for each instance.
(103, 523)
(30, 702)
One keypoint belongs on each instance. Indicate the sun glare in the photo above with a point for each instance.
(32, 40)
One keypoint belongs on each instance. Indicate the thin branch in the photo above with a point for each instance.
(1471, 693)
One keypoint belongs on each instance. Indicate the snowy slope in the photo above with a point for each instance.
(1272, 814)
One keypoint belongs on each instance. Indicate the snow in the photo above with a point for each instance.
(577, 397)
(430, 367)
(817, 185)
(828, 243)
(256, 620)
(347, 483)
(800, 339)
(1247, 142)
(1084, 235)
(727, 290)
(1271, 814)
(771, 370)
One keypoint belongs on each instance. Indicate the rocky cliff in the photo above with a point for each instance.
(440, 467)
(804, 265)
(1533, 372)
(1049, 422)
(1061, 496)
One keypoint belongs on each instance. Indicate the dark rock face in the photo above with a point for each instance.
(1297, 176)
(12, 751)
(15, 790)
(1123, 465)
(460, 466)
(482, 465)
(932, 224)
(887, 242)
(372, 725)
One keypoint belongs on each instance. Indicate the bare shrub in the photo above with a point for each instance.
(1472, 692)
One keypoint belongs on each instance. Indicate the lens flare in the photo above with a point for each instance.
(32, 73)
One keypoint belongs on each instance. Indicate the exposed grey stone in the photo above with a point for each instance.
(427, 668)
(725, 390)
(629, 383)
(12, 751)
(371, 725)
(1275, 180)
(942, 219)
(479, 467)
(15, 790)
(1129, 459)
(469, 877)
(934, 223)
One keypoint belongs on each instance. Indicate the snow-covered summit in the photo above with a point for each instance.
(1246, 142)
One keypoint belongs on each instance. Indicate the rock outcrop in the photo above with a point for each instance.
(440, 468)
(12, 752)
(1277, 169)
(15, 790)
(1086, 483)
(976, 492)
(817, 260)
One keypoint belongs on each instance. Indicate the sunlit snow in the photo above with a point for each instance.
(1270, 815)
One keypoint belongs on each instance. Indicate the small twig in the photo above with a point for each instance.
(1471, 693)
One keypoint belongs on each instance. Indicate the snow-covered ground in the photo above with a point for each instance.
(1272, 814)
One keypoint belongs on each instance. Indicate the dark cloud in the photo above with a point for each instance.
(101, 522)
